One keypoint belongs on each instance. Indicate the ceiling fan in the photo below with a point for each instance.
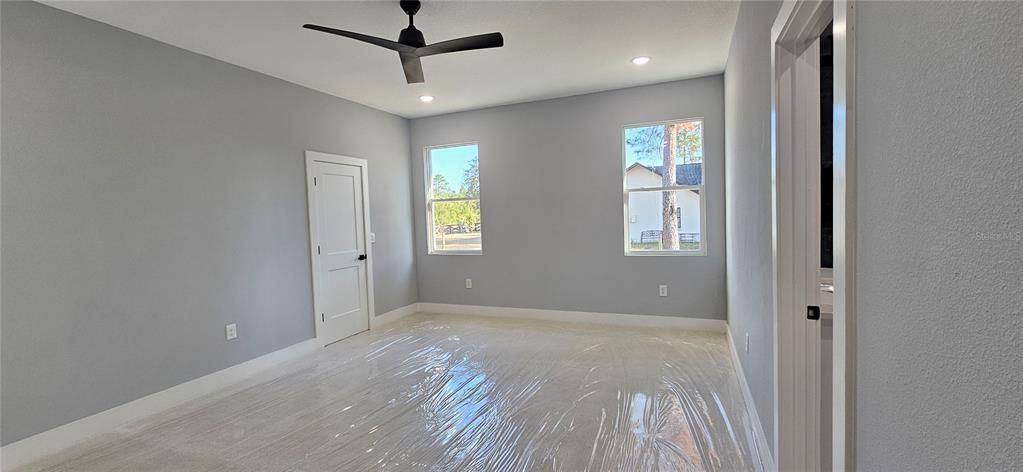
(411, 45)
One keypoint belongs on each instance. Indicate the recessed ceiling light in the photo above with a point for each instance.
(426, 98)
(641, 60)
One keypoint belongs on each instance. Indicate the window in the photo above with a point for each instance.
(664, 188)
(453, 199)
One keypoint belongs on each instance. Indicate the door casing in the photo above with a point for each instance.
(312, 157)
(799, 23)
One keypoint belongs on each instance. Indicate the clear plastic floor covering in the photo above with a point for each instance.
(438, 392)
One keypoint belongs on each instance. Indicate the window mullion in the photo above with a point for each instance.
(664, 189)
(459, 199)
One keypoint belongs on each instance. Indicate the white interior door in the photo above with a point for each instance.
(807, 116)
(799, 350)
(338, 225)
(797, 263)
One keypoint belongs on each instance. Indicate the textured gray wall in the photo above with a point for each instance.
(551, 177)
(151, 196)
(940, 195)
(748, 201)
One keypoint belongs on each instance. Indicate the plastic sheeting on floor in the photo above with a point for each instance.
(460, 393)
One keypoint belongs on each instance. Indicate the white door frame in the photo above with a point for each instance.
(312, 157)
(797, 24)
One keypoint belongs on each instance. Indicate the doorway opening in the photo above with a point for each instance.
(812, 77)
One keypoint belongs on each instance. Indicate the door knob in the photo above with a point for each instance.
(362, 257)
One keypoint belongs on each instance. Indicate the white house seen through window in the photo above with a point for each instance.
(453, 199)
(664, 188)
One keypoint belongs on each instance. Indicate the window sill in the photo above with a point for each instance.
(454, 253)
(701, 252)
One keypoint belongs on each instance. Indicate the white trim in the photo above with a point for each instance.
(456, 252)
(312, 157)
(393, 315)
(661, 252)
(796, 348)
(843, 429)
(44, 444)
(428, 187)
(759, 435)
(798, 23)
(666, 189)
(702, 188)
(459, 199)
(583, 317)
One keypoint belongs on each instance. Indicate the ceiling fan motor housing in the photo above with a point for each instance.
(412, 37)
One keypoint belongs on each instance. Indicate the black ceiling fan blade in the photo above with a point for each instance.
(385, 43)
(468, 43)
(413, 68)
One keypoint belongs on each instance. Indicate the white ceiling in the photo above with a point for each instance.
(552, 49)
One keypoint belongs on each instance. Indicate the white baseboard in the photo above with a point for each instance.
(41, 445)
(34, 448)
(393, 315)
(617, 319)
(763, 448)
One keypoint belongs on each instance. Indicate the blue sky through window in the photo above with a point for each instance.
(642, 144)
(633, 152)
(452, 162)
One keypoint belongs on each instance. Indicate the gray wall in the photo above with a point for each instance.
(151, 196)
(940, 208)
(748, 201)
(551, 178)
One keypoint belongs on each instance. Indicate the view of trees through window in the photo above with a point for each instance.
(454, 199)
(664, 186)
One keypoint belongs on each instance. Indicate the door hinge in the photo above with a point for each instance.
(322, 319)
(317, 248)
(314, 181)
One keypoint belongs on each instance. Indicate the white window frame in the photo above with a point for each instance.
(702, 189)
(428, 177)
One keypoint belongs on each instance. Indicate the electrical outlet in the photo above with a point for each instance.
(663, 290)
(468, 283)
(747, 342)
(372, 238)
(232, 331)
